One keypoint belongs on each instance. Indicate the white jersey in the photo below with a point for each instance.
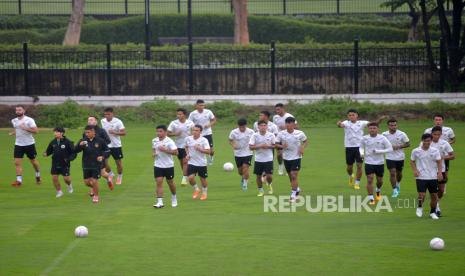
(242, 140)
(181, 130)
(116, 125)
(293, 141)
(202, 119)
(353, 133)
(271, 127)
(23, 138)
(197, 158)
(280, 121)
(426, 162)
(444, 148)
(163, 159)
(375, 148)
(263, 155)
(447, 133)
(397, 139)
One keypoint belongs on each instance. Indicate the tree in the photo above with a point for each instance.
(241, 29)
(73, 33)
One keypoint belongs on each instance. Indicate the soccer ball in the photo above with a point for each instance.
(81, 231)
(228, 166)
(436, 244)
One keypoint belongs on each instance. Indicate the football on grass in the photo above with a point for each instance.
(81, 231)
(228, 166)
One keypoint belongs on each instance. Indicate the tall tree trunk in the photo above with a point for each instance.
(241, 29)
(415, 18)
(425, 20)
(73, 33)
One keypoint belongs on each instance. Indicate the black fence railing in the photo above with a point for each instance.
(137, 7)
(251, 71)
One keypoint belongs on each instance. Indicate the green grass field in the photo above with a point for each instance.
(229, 234)
(198, 6)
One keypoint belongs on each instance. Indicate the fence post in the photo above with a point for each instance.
(273, 67)
(284, 7)
(126, 7)
(191, 68)
(231, 7)
(355, 72)
(20, 8)
(26, 69)
(179, 6)
(147, 30)
(108, 69)
(442, 65)
(338, 7)
(392, 7)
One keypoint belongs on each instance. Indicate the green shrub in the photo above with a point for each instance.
(68, 114)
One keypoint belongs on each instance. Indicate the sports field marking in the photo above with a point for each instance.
(60, 257)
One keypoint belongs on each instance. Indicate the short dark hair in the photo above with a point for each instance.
(426, 136)
(436, 128)
(352, 111)
(373, 124)
(261, 122)
(89, 127)
(108, 109)
(279, 105)
(183, 110)
(290, 120)
(93, 116)
(20, 105)
(392, 120)
(199, 101)
(266, 113)
(438, 115)
(242, 122)
(59, 129)
(162, 127)
(199, 126)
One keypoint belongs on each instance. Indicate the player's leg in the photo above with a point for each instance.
(119, 168)
(67, 179)
(358, 175)
(370, 173)
(350, 160)
(56, 183)
(183, 163)
(433, 190)
(94, 183)
(203, 179)
(35, 164)
(379, 184)
(268, 169)
(258, 171)
(109, 173)
(19, 172)
(192, 172)
(172, 186)
(245, 175)
(106, 176)
(421, 189)
(212, 150)
(441, 192)
(159, 191)
(280, 161)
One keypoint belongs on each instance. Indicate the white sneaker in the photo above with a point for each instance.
(174, 202)
(433, 216)
(419, 212)
(59, 194)
(281, 169)
(70, 189)
(158, 205)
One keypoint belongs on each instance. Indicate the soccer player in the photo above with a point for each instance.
(265, 116)
(115, 129)
(181, 128)
(447, 153)
(24, 128)
(353, 133)
(205, 118)
(374, 146)
(62, 151)
(426, 163)
(279, 119)
(293, 142)
(395, 159)
(263, 143)
(239, 140)
(196, 149)
(93, 149)
(163, 150)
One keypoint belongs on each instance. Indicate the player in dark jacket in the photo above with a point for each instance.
(62, 151)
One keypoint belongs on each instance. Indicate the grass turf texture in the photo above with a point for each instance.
(229, 233)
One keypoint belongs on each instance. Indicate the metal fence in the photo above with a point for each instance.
(192, 71)
(137, 7)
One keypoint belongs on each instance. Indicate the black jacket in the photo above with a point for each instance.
(102, 134)
(62, 152)
(94, 148)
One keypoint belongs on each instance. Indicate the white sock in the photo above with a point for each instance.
(196, 187)
(204, 190)
(378, 190)
(397, 184)
(269, 184)
(111, 173)
(293, 193)
(38, 174)
(173, 196)
(19, 178)
(120, 175)
(160, 200)
(372, 197)
(245, 181)
(260, 189)
(184, 177)
(357, 182)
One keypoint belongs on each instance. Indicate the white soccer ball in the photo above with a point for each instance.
(81, 231)
(228, 166)
(436, 244)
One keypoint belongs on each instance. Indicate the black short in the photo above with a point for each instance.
(444, 179)
(210, 140)
(91, 173)
(30, 151)
(447, 165)
(395, 164)
(181, 153)
(353, 155)
(247, 160)
(63, 170)
(168, 173)
(201, 171)
(292, 165)
(117, 153)
(263, 167)
(430, 184)
(374, 169)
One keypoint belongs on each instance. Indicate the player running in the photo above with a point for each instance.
(395, 159)
(426, 163)
(24, 128)
(265, 117)
(93, 149)
(239, 140)
(115, 129)
(293, 143)
(279, 119)
(196, 149)
(163, 148)
(181, 128)
(263, 143)
(374, 146)
(205, 118)
(62, 151)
